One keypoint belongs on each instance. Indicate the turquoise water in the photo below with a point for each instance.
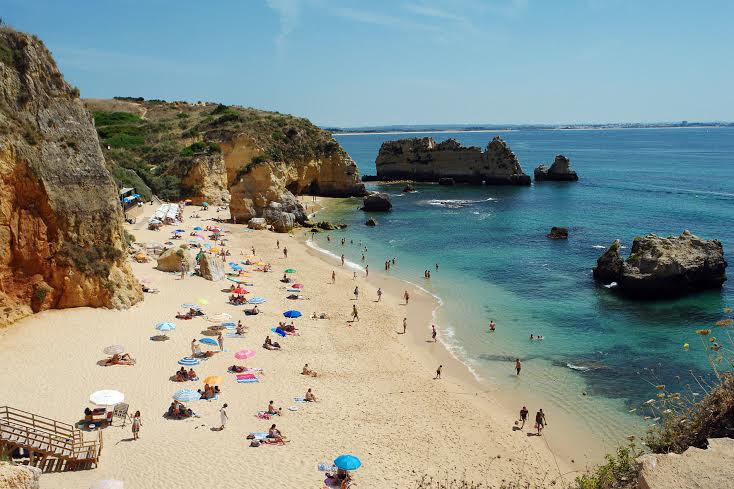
(496, 263)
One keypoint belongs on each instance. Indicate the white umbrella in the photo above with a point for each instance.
(106, 397)
(217, 318)
(114, 349)
(108, 484)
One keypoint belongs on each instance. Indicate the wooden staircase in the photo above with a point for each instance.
(48, 444)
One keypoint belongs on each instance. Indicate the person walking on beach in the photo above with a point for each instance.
(523, 416)
(438, 372)
(253, 251)
(406, 296)
(220, 340)
(354, 276)
(433, 332)
(183, 270)
(333, 277)
(356, 293)
(136, 425)
(366, 270)
(518, 366)
(285, 252)
(223, 418)
(342, 259)
(193, 348)
(540, 421)
(277, 243)
(405, 325)
(355, 314)
(379, 294)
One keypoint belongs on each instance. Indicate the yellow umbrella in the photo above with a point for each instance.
(260, 264)
(244, 274)
(250, 257)
(213, 380)
(214, 250)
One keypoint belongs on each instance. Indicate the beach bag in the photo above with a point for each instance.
(250, 436)
(254, 443)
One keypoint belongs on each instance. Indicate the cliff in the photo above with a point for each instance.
(223, 154)
(61, 238)
(422, 159)
(559, 171)
(664, 267)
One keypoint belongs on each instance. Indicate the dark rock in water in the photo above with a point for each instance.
(371, 222)
(409, 188)
(340, 225)
(559, 171)
(446, 181)
(326, 226)
(664, 267)
(558, 233)
(377, 202)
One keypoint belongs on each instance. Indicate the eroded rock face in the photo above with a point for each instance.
(257, 223)
(377, 202)
(61, 241)
(207, 180)
(559, 171)
(694, 468)
(211, 267)
(19, 476)
(664, 267)
(171, 260)
(422, 159)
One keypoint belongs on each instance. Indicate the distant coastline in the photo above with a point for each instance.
(522, 127)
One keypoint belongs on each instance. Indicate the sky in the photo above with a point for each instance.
(350, 63)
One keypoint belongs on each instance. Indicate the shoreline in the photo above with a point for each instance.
(442, 131)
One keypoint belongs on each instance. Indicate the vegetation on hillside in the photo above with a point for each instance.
(156, 142)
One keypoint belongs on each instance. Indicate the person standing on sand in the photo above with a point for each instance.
(405, 325)
(518, 366)
(136, 425)
(354, 276)
(379, 294)
(342, 259)
(433, 332)
(438, 372)
(183, 270)
(366, 270)
(333, 277)
(540, 421)
(277, 243)
(355, 314)
(220, 340)
(356, 293)
(523, 416)
(406, 296)
(193, 348)
(285, 252)
(253, 251)
(223, 418)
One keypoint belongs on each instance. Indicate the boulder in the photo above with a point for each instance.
(326, 226)
(664, 267)
(557, 232)
(371, 222)
(172, 258)
(257, 223)
(211, 267)
(446, 181)
(559, 171)
(277, 216)
(377, 202)
(408, 188)
(695, 468)
(19, 476)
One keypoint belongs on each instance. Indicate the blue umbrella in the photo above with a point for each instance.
(165, 326)
(188, 361)
(256, 300)
(180, 230)
(195, 307)
(207, 245)
(185, 395)
(292, 314)
(279, 331)
(229, 324)
(294, 290)
(208, 341)
(198, 228)
(347, 462)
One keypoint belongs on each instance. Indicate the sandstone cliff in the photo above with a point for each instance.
(422, 159)
(664, 267)
(61, 237)
(559, 171)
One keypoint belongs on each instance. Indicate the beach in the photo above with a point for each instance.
(377, 397)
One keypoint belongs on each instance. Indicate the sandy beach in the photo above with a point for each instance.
(377, 397)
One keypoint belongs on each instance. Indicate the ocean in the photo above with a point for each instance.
(602, 354)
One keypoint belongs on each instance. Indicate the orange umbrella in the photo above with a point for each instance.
(213, 380)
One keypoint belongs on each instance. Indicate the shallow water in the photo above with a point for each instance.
(600, 352)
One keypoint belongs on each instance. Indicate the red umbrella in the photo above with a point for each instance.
(297, 286)
(240, 290)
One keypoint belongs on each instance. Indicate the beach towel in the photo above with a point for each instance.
(299, 399)
(234, 335)
(259, 435)
(247, 378)
(327, 467)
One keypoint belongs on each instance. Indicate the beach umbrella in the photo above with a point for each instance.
(240, 290)
(290, 270)
(185, 395)
(199, 238)
(106, 397)
(214, 250)
(256, 300)
(208, 341)
(114, 349)
(202, 301)
(244, 354)
(250, 257)
(198, 228)
(213, 380)
(216, 230)
(188, 361)
(108, 484)
(195, 307)
(279, 331)
(292, 314)
(165, 326)
(297, 286)
(180, 231)
(218, 318)
(347, 462)
(229, 325)
(205, 204)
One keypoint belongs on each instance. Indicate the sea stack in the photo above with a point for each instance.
(664, 267)
(377, 202)
(559, 171)
(424, 160)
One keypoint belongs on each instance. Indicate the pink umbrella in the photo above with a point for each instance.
(297, 286)
(244, 354)
(199, 237)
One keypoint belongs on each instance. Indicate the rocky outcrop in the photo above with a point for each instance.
(61, 236)
(19, 476)
(408, 188)
(211, 267)
(557, 232)
(559, 171)
(376, 202)
(664, 267)
(283, 218)
(371, 222)
(695, 468)
(171, 259)
(257, 223)
(422, 159)
(206, 180)
(447, 181)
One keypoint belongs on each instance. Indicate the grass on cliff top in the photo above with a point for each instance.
(159, 141)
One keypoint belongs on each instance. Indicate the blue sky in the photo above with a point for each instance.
(371, 62)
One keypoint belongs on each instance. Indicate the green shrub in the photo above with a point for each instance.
(114, 118)
(40, 293)
(93, 261)
(125, 141)
(620, 471)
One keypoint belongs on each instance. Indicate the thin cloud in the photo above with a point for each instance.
(288, 12)
(384, 20)
(429, 11)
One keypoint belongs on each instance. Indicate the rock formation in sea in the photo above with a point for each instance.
(376, 202)
(559, 171)
(422, 159)
(372, 222)
(664, 267)
(222, 154)
(61, 235)
(558, 232)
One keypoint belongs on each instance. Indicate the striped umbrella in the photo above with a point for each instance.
(114, 349)
(195, 307)
(188, 361)
(165, 326)
(185, 395)
(256, 300)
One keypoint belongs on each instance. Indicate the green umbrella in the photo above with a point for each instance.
(290, 270)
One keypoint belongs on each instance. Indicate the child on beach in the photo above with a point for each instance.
(223, 418)
(136, 425)
(438, 372)
(355, 314)
(379, 294)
